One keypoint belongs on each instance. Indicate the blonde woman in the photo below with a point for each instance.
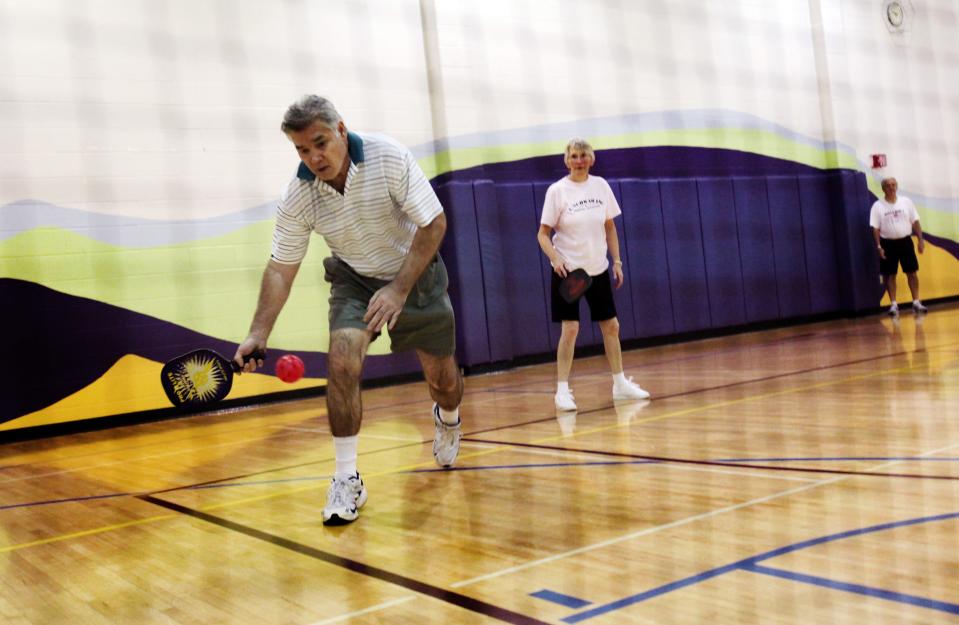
(577, 232)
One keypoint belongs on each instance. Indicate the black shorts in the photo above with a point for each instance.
(898, 251)
(599, 296)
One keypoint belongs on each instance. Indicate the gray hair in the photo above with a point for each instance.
(308, 109)
(579, 144)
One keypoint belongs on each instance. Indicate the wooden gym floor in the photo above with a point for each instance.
(799, 475)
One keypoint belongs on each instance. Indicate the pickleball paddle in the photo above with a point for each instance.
(200, 377)
(572, 287)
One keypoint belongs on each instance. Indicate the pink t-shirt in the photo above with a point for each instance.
(577, 212)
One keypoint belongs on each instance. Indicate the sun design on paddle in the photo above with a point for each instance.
(205, 376)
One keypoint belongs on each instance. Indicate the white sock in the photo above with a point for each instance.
(894, 304)
(916, 302)
(449, 417)
(619, 379)
(562, 387)
(344, 448)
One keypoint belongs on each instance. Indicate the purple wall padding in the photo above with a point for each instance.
(858, 258)
(684, 249)
(698, 254)
(817, 197)
(495, 286)
(724, 276)
(792, 284)
(647, 268)
(588, 335)
(461, 253)
(527, 310)
(623, 296)
(756, 249)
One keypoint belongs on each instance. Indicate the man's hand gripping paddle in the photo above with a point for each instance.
(200, 377)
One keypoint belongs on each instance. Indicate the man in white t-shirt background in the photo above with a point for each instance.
(894, 220)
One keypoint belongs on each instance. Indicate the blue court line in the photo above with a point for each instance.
(889, 595)
(750, 563)
(563, 600)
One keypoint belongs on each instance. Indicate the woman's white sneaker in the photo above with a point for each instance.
(564, 400)
(629, 391)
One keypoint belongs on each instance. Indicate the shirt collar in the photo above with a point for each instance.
(354, 145)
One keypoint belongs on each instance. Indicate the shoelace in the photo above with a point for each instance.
(341, 494)
(447, 432)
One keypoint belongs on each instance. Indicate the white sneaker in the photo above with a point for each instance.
(446, 442)
(344, 499)
(894, 310)
(629, 391)
(918, 308)
(564, 400)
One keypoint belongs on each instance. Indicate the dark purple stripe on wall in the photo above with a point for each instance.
(62, 343)
(647, 162)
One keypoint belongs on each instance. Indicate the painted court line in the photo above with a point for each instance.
(751, 564)
(476, 454)
(695, 579)
(659, 528)
(634, 535)
(369, 610)
(889, 595)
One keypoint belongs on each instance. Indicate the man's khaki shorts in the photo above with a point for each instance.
(426, 322)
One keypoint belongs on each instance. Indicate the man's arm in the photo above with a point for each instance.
(917, 230)
(387, 303)
(274, 291)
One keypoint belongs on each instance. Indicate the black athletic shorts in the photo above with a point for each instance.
(898, 251)
(599, 296)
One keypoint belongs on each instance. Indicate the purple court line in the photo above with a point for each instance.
(229, 482)
(764, 344)
(546, 419)
(752, 562)
(541, 420)
(451, 597)
(713, 463)
(694, 391)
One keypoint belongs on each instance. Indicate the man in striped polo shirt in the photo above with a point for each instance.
(383, 223)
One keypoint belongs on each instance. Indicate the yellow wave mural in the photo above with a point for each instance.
(938, 276)
(132, 384)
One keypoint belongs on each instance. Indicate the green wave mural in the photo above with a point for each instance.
(204, 275)
(209, 286)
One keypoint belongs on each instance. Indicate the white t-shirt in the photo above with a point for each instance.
(578, 212)
(893, 221)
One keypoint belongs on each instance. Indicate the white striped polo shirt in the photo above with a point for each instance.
(372, 224)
